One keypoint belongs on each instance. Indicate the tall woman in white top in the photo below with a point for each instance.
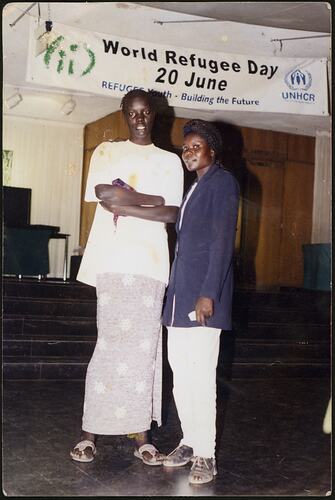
(127, 259)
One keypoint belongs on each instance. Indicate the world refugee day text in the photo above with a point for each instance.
(171, 75)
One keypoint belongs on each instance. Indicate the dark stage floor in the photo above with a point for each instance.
(271, 443)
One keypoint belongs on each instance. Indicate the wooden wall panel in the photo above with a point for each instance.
(296, 221)
(264, 144)
(262, 206)
(112, 126)
(272, 238)
(177, 131)
(301, 148)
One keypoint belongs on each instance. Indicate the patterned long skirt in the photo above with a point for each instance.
(123, 392)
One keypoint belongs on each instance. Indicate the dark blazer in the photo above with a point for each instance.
(203, 262)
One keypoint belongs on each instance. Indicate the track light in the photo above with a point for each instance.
(13, 100)
(44, 36)
(68, 107)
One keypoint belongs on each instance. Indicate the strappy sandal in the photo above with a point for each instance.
(81, 447)
(157, 457)
(181, 455)
(203, 470)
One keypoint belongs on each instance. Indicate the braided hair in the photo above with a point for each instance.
(138, 93)
(207, 131)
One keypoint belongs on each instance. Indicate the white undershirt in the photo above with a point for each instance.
(186, 201)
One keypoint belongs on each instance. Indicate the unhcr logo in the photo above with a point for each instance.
(298, 81)
(74, 59)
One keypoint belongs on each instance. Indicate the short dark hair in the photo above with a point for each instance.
(138, 93)
(207, 131)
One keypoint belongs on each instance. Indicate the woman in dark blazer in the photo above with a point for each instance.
(199, 296)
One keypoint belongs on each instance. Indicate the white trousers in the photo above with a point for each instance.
(193, 356)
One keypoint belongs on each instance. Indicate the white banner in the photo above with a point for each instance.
(111, 66)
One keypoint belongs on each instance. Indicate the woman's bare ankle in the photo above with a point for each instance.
(142, 438)
(88, 436)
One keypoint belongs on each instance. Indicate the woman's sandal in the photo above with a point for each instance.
(81, 446)
(156, 457)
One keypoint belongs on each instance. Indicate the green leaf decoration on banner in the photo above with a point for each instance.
(60, 66)
(51, 49)
(92, 62)
(73, 48)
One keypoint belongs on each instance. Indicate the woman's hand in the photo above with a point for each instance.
(166, 214)
(120, 196)
(204, 309)
(115, 209)
(107, 192)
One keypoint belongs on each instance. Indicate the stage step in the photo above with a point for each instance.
(74, 368)
(73, 308)
(51, 289)
(273, 370)
(51, 326)
(287, 298)
(28, 325)
(66, 346)
(50, 332)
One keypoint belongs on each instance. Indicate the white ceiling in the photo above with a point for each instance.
(241, 28)
(306, 16)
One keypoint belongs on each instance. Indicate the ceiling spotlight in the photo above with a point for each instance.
(44, 36)
(68, 107)
(13, 100)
